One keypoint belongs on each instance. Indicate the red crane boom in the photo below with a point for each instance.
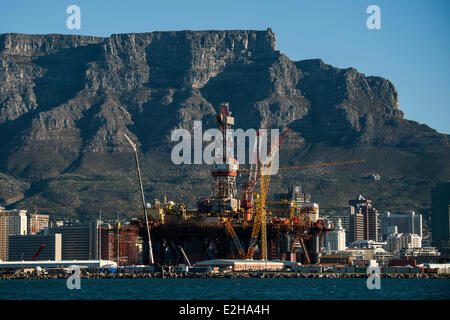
(38, 252)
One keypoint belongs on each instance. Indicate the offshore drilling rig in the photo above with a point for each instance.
(226, 226)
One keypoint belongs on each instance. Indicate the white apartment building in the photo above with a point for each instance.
(336, 238)
(399, 241)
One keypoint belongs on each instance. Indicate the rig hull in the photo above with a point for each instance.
(209, 241)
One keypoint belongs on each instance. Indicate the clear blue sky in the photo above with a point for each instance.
(411, 49)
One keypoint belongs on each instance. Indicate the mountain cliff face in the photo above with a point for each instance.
(65, 102)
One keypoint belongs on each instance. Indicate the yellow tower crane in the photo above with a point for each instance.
(265, 171)
(260, 212)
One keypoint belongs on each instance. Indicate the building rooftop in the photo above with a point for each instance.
(244, 261)
(337, 255)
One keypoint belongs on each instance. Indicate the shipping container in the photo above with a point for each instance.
(416, 270)
(389, 270)
(316, 269)
(108, 270)
(403, 262)
(431, 270)
(350, 269)
(199, 269)
(403, 269)
(339, 269)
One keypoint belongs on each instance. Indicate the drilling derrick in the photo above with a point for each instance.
(224, 171)
(247, 199)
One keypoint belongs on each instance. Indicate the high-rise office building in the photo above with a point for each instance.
(37, 223)
(344, 215)
(79, 242)
(405, 223)
(440, 217)
(356, 225)
(295, 193)
(363, 207)
(12, 222)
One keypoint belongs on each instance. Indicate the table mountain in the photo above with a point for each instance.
(65, 102)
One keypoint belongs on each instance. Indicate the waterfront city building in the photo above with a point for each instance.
(12, 222)
(356, 225)
(25, 247)
(37, 223)
(336, 238)
(399, 241)
(424, 254)
(363, 208)
(343, 214)
(440, 217)
(79, 242)
(367, 244)
(405, 223)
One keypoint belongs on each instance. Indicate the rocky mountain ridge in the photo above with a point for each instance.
(65, 102)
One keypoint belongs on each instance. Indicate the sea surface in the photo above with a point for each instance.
(283, 289)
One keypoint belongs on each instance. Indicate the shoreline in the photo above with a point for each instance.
(227, 275)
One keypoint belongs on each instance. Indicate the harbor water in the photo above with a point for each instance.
(278, 289)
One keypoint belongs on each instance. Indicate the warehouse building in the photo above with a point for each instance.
(247, 265)
(57, 264)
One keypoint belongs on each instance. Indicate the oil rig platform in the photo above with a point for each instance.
(228, 226)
